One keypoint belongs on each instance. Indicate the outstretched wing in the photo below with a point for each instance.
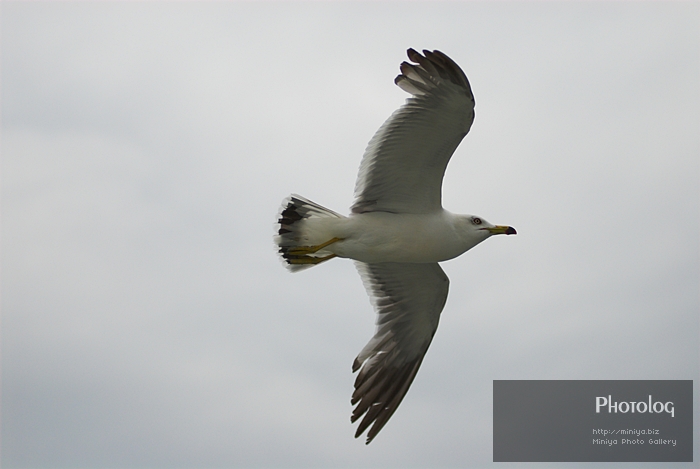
(403, 166)
(408, 299)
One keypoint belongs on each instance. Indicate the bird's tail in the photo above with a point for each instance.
(302, 225)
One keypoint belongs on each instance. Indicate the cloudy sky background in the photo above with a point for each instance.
(146, 147)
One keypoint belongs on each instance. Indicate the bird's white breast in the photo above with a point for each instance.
(375, 237)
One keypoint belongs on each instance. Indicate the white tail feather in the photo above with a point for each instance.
(295, 230)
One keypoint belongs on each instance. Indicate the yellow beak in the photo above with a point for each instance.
(501, 229)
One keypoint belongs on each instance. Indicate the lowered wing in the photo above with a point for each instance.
(408, 299)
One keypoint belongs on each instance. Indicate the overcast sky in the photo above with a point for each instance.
(146, 148)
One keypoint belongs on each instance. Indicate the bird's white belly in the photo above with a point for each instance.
(385, 237)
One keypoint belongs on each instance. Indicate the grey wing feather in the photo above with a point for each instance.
(408, 299)
(404, 163)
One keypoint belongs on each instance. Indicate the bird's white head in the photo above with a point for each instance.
(474, 229)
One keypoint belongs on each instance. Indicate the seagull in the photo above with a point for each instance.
(397, 231)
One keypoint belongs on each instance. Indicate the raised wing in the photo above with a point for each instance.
(403, 166)
(408, 299)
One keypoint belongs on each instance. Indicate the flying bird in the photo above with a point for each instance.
(397, 231)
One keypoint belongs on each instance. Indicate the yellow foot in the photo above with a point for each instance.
(303, 250)
(308, 259)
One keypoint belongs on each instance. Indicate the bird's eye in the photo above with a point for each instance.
(476, 220)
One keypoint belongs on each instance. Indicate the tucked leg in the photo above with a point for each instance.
(302, 250)
(308, 259)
